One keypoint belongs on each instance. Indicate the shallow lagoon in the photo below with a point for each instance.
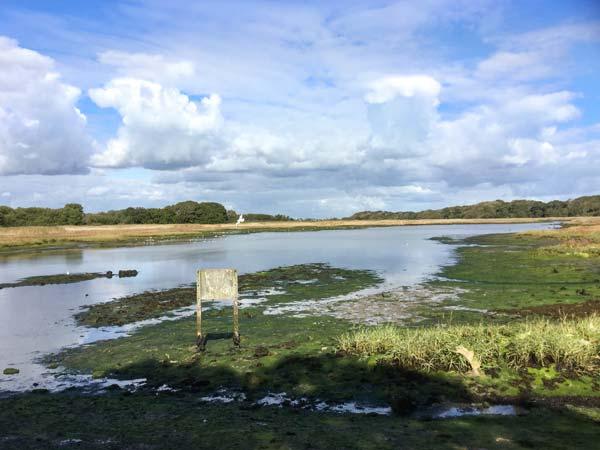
(39, 319)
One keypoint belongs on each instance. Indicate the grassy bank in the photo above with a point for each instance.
(519, 274)
(571, 345)
(24, 238)
(582, 241)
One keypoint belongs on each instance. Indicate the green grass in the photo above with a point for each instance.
(511, 272)
(166, 421)
(572, 345)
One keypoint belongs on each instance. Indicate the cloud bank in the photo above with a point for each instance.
(41, 129)
(408, 143)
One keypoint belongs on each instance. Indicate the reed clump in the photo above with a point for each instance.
(567, 344)
(582, 240)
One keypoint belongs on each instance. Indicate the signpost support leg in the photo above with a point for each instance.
(236, 324)
(200, 339)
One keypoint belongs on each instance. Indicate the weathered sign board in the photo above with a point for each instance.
(216, 284)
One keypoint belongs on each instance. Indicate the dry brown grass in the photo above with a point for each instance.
(61, 235)
(581, 238)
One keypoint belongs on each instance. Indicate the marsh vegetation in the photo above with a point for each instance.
(566, 344)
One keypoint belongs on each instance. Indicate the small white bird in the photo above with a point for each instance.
(240, 220)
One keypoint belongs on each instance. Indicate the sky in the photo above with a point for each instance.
(306, 108)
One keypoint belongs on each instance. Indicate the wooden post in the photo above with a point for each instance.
(200, 339)
(236, 325)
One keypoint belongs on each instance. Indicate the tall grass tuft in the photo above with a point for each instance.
(568, 344)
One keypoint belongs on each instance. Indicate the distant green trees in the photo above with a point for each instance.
(193, 212)
(254, 217)
(183, 212)
(582, 206)
(72, 214)
(210, 212)
(232, 216)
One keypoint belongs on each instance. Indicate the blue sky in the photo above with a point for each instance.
(313, 109)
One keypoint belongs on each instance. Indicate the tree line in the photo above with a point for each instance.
(183, 212)
(497, 209)
(70, 214)
(211, 212)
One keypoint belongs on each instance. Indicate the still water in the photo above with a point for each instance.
(38, 320)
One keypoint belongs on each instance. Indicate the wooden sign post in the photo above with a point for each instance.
(216, 284)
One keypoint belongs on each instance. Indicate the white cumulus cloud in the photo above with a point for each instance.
(41, 129)
(161, 128)
(502, 141)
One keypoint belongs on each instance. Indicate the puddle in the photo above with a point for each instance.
(451, 412)
(166, 388)
(354, 408)
(57, 381)
(245, 302)
(224, 396)
(281, 399)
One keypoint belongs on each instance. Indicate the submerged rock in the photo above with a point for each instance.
(11, 371)
(127, 273)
